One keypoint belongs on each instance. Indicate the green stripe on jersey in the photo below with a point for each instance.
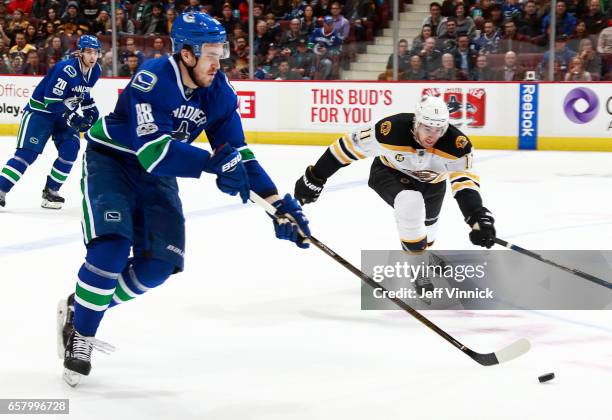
(37, 105)
(153, 152)
(98, 134)
(97, 131)
(23, 128)
(86, 221)
(246, 154)
(52, 100)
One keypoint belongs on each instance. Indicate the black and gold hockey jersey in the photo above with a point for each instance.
(392, 140)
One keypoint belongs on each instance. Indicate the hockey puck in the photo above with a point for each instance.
(546, 377)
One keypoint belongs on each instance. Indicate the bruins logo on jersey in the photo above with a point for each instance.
(399, 157)
(385, 128)
(461, 142)
(425, 176)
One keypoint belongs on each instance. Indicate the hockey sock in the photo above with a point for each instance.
(139, 276)
(67, 154)
(15, 168)
(409, 209)
(105, 259)
(431, 226)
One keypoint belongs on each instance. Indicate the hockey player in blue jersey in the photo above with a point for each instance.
(130, 194)
(53, 112)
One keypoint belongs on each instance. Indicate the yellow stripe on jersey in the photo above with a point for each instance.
(457, 175)
(339, 154)
(458, 186)
(398, 148)
(442, 154)
(349, 143)
(439, 178)
(386, 162)
(408, 149)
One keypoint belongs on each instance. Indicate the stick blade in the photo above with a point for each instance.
(512, 351)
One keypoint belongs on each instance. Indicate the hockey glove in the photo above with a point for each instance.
(483, 231)
(232, 177)
(308, 188)
(77, 122)
(291, 224)
(90, 111)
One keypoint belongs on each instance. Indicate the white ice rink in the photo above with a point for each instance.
(257, 329)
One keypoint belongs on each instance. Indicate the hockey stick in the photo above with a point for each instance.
(538, 257)
(506, 354)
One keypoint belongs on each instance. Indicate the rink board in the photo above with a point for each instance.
(540, 116)
(258, 329)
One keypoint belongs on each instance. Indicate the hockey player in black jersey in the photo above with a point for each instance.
(413, 155)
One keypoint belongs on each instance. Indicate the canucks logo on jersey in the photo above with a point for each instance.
(155, 111)
(65, 86)
(144, 81)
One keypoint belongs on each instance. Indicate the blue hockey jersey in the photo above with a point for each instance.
(65, 86)
(156, 118)
(332, 41)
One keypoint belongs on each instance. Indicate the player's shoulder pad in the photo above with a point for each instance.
(454, 142)
(68, 69)
(395, 129)
(158, 75)
(156, 82)
(144, 80)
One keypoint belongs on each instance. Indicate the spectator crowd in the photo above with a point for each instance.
(508, 41)
(294, 39)
(316, 39)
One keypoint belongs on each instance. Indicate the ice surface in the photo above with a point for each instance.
(258, 329)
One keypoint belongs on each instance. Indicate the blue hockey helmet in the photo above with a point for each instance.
(195, 29)
(88, 41)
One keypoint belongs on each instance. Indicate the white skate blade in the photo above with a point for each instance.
(62, 313)
(72, 378)
(46, 204)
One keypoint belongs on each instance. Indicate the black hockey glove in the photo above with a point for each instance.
(308, 188)
(90, 110)
(77, 122)
(483, 231)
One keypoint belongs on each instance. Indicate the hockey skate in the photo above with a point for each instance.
(65, 319)
(423, 283)
(2, 198)
(77, 356)
(51, 199)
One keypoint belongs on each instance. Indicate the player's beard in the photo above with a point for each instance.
(203, 80)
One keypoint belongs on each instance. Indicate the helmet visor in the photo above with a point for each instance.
(218, 51)
(431, 130)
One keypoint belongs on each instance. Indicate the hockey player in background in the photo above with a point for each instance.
(53, 112)
(130, 193)
(413, 155)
